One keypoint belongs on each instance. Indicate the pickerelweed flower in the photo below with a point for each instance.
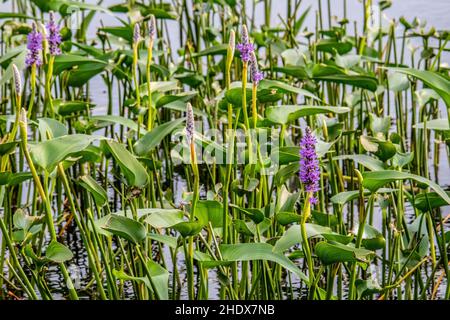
(245, 47)
(17, 80)
(137, 33)
(54, 36)
(34, 47)
(152, 28)
(232, 43)
(309, 165)
(255, 74)
(190, 127)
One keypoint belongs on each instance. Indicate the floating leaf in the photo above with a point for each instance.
(134, 172)
(286, 155)
(170, 98)
(126, 228)
(252, 252)
(372, 238)
(367, 287)
(52, 127)
(333, 46)
(94, 189)
(49, 153)
(68, 61)
(359, 81)
(159, 276)
(188, 229)
(243, 227)
(24, 221)
(124, 32)
(375, 180)
(210, 211)
(369, 162)
(384, 150)
(398, 82)
(379, 124)
(7, 148)
(282, 87)
(288, 200)
(432, 79)
(159, 86)
(334, 253)
(153, 138)
(256, 215)
(126, 122)
(81, 76)
(289, 113)
(293, 236)
(347, 61)
(285, 218)
(12, 179)
(432, 200)
(220, 49)
(162, 218)
(285, 173)
(435, 124)
(324, 219)
(65, 108)
(165, 239)
(57, 252)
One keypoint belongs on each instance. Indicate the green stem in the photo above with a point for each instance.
(190, 251)
(305, 243)
(149, 89)
(48, 85)
(136, 84)
(45, 200)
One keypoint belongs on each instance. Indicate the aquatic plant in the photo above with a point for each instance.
(256, 75)
(34, 46)
(309, 166)
(53, 35)
(17, 83)
(245, 47)
(151, 35)
(177, 154)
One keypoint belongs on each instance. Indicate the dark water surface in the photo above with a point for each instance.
(436, 12)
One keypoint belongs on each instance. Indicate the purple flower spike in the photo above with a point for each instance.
(152, 28)
(34, 46)
(137, 33)
(245, 47)
(255, 74)
(309, 165)
(54, 36)
(245, 50)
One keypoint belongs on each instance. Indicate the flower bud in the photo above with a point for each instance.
(232, 43)
(244, 34)
(17, 80)
(136, 33)
(152, 28)
(23, 117)
(190, 127)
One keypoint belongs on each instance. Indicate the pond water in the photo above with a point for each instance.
(435, 12)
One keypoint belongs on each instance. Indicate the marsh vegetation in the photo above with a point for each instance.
(232, 158)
